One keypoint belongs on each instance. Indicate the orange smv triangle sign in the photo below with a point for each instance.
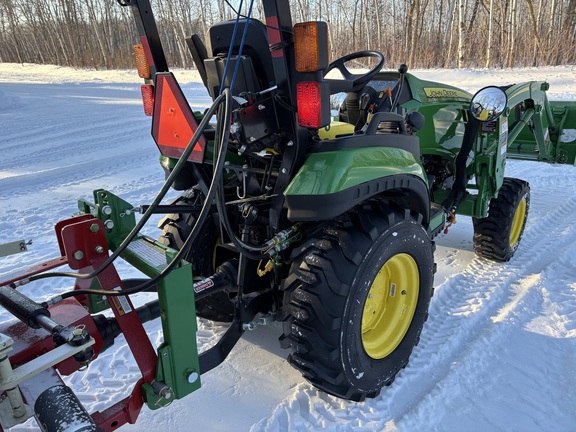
(174, 123)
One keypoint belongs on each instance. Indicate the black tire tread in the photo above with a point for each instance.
(175, 229)
(312, 311)
(492, 233)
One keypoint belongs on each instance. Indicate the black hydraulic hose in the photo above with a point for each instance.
(150, 211)
(204, 213)
(244, 248)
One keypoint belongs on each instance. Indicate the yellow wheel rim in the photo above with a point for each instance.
(390, 306)
(518, 222)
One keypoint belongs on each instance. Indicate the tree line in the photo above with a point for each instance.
(421, 33)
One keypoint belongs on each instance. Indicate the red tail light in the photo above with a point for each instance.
(313, 101)
(148, 98)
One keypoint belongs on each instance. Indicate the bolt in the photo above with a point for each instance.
(261, 107)
(290, 143)
(107, 210)
(109, 224)
(403, 292)
(249, 326)
(78, 255)
(165, 393)
(192, 377)
(251, 139)
(99, 249)
(284, 171)
(235, 127)
(94, 228)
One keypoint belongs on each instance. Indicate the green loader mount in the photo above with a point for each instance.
(310, 195)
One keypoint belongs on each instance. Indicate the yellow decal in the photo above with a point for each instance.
(446, 93)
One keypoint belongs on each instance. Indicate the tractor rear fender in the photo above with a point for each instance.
(332, 182)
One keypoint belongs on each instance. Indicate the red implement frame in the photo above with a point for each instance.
(82, 242)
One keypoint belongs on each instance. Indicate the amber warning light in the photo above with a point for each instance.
(311, 46)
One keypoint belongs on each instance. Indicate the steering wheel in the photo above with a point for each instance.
(353, 82)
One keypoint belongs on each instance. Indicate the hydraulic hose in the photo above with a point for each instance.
(215, 186)
(150, 211)
(244, 248)
(220, 155)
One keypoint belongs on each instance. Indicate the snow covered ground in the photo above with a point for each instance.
(497, 354)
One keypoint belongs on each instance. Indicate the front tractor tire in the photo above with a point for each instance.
(356, 301)
(498, 235)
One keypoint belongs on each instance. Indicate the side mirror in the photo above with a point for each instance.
(488, 103)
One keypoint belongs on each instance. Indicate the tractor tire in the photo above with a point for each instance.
(498, 235)
(356, 300)
(175, 229)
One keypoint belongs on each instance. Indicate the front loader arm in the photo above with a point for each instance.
(537, 127)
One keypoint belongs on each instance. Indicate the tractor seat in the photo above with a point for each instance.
(256, 72)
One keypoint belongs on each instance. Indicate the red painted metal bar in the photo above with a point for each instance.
(34, 270)
(81, 235)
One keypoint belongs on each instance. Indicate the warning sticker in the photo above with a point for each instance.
(503, 137)
(203, 285)
(121, 303)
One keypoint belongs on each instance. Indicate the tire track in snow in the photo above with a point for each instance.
(62, 176)
(534, 330)
(461, 317)
(80, 142)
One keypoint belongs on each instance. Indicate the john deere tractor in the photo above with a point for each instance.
(311, 195)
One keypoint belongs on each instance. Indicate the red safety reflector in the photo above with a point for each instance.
(148, 98)
(174, 123)
(309, 103)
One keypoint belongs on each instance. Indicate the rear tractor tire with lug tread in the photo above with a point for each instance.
(356, 300)
(175, 229)
(498, 235)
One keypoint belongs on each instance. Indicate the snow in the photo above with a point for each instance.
(498, 352)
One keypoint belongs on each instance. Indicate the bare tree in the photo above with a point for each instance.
(422, 33)
(461, 13)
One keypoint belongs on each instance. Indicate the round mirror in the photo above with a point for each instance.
(488, 103)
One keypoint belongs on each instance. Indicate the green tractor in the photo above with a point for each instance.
(329, 225)
(332, 220)
(289, 214)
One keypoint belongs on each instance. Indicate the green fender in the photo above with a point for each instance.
(332, 182)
